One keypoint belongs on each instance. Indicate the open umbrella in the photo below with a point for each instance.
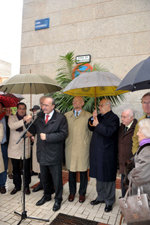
(94, 84)
(9, 100)
(138, 78)
(29, 84)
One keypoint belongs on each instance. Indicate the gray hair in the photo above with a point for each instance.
(130, 112)
(108, 102)
(53, 100)
(145, 95)
(144, 125)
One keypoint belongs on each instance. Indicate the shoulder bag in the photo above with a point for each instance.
(135, 208)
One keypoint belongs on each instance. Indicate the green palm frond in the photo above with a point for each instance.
(64, 75)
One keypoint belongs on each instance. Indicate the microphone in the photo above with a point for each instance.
(36, 113)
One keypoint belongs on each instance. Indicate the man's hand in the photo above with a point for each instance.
(27, 118)
(43, 136)
(95, 122)
(28, 134)
(94, 114)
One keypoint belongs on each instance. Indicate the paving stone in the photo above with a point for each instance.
(10, 203)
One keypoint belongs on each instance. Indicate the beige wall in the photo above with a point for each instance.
(115, 32)
(5, 70)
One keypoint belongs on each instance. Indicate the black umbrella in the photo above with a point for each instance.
(138, 78)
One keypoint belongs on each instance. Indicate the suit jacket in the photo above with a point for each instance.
(125, 145)
(50, 151)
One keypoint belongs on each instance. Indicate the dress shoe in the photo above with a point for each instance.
(43, 200)
(82, 198)
(96, 202)
(27, 191)
(37, 188)
(10, 176)
(52, 191)
(2, 190)
(108, 208)
(56, 206)
(71, 198)
(15, 190)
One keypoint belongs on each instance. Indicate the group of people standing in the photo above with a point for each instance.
(97, 141)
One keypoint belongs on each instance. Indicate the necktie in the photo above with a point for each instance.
(125, 129)
(77, 113)
(46, 120)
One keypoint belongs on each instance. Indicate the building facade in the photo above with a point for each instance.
(116, 33)
(5, 70)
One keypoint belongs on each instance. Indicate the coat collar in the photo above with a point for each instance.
(140, 148)
(130, 129)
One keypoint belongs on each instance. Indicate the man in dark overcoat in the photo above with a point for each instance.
(103, 153)
(126, 131)
(51, 129)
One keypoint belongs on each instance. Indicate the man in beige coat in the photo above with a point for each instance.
(77, 148)
(16, 124)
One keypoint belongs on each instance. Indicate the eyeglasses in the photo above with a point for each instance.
(145, 103)
(101, 105)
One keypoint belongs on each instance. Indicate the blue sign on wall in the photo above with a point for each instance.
(42, 24)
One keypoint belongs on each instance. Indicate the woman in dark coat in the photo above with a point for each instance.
(103, 153)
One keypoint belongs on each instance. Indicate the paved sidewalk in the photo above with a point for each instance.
(10, 203)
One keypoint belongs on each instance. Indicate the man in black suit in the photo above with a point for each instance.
(51, 129)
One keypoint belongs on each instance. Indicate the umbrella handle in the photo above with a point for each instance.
(91, 124)
(94, 115)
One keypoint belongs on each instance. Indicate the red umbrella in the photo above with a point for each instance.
(9, 100)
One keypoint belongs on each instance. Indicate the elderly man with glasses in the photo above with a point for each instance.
(103, 153)
(146, 109)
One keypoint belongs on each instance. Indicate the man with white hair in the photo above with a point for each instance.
(126, 130)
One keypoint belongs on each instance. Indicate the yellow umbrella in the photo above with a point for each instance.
(94, 84)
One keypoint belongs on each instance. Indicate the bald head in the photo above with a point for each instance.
(78, 103)
(104, 106)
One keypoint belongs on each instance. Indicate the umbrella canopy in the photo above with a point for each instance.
(29, 84)
(9, 100)
(94, 84)
(138, 78)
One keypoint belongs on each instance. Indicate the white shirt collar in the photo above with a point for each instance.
(50, 115)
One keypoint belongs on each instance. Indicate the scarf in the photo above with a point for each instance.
(20, 129)
(144, 141)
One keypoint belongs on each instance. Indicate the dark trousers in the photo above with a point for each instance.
(17, 172)
(3, 175)
(52, 175)
(83, 182)
(106, 191)
(123, 189)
